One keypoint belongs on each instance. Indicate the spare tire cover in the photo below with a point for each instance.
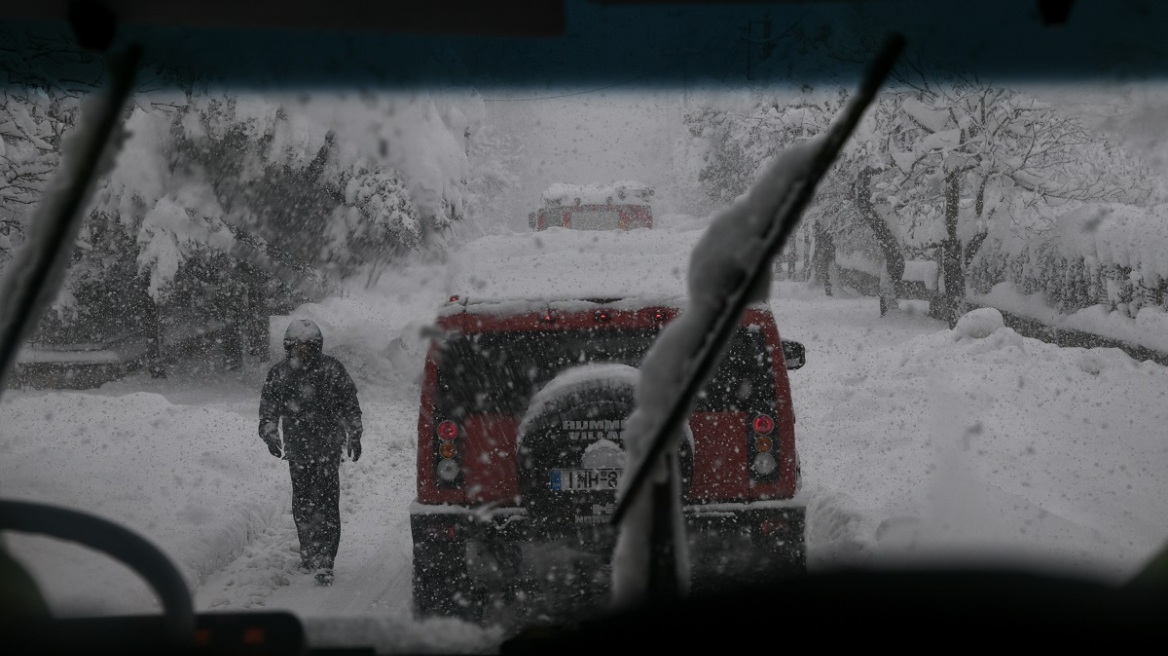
(576, 423)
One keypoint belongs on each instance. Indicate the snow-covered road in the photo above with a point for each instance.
(373, 566)
(916, 442)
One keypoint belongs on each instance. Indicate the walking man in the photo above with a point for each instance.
(314, 398)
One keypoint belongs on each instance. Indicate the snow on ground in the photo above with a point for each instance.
(680, 222)
(183, 465)
(974, 442)
(180, 474)
(917, 443)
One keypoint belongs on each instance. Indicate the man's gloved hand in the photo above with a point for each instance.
(270, 434)
(354, 429)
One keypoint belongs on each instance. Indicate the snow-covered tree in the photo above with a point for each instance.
(740, 139)
(223, 203)
(939, 164)
(42, 84)
(1006, 163)
(494, 159)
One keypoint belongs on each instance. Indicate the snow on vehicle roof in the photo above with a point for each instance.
(622, 192)
(559, 264)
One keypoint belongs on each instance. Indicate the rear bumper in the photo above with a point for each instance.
(729, 544)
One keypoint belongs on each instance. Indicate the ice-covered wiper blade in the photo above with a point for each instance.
(798, 194)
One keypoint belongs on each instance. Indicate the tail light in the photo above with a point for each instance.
(764, 465)
(449, 471)
(602, 316)
(763, 425)
(447, 450)
(549, 316)
(448, 430)
(448, 467)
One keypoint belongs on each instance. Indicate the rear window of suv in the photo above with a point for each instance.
(498, 373)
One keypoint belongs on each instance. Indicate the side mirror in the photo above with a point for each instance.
(794, 354)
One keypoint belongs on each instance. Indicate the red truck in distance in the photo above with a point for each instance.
(617, 206)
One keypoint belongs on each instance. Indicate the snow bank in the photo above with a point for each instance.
(1005, 296)
(1149, 328)
(625, 192)
(376, 332)
(30, 354)
(1000, 449)
(195, 480)
(979, 323)
(558, 264)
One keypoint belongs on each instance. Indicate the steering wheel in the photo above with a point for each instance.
(119, 543)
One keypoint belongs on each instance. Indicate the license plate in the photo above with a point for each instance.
(584, 480)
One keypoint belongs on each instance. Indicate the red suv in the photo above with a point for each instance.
(519, 454)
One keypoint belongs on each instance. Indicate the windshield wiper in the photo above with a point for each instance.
(786, 218)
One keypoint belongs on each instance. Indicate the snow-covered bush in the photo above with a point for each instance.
(1097, 254)
(939, 165)
(229, 202)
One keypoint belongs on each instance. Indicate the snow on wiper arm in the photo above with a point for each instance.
(35, 274)
(790, 209)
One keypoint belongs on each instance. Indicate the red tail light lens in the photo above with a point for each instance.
(763, 424)
(602, 316)
(448, 430)
(454, 298)
(659, 315)
(549, 316)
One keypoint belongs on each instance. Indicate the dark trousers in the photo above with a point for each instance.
(316, 507)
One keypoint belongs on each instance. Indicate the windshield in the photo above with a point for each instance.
(354, 272)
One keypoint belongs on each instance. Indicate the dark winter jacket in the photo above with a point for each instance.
(314, 398)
